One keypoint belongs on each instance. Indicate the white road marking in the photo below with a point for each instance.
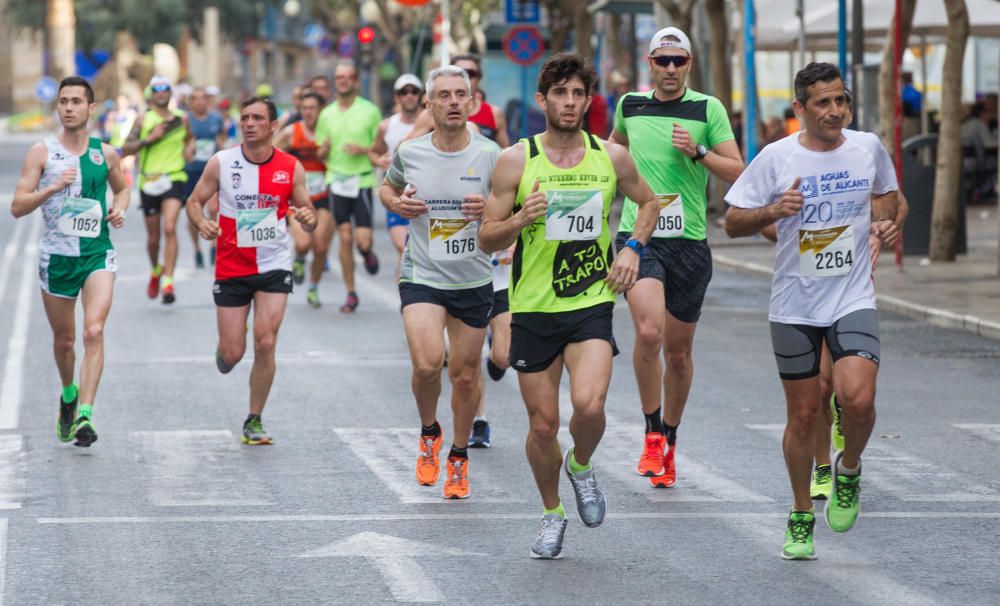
(3, 559)
(13, 373)
(196, 469)
(986, 431)
(910, 478)
(318, 358)
(9, 254)
(11, 486)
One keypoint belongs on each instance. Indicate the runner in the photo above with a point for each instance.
(68, 176)
(345, 134)
(208, 136)
(160, 138)
(320, 85)
(562, 290)
(818, 185)
(299, 139)
(675, 272)
(257, 186)
(408, 90)
(445, 281)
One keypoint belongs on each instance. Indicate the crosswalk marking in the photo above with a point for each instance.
(11, 485)
(196, 468)
(911, 478)
(986, 431)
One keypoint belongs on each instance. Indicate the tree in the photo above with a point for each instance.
(719, 56)
(887, 81)
(944, 214)
(60, 38)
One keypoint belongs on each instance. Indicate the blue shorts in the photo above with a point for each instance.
(394, 220)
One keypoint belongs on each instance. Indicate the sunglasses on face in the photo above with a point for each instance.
(675, 60)
(408, 91)
(474, 73)
(161, 88)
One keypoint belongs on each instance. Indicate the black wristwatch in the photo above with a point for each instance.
(700, 152)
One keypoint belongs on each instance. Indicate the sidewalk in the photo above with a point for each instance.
(964, 294)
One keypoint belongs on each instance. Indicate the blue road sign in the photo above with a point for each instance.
(523, 45)
(522, 11)
(46, 89)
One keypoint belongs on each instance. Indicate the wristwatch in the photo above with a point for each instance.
(700, 152)
(636, 245)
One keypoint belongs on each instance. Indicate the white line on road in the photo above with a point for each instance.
(13, 374)
(327, 358)
(9, 254)
(11, 487)
(3, 559)
(407, 581)
(986, 431)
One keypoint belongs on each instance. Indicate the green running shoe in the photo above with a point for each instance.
(836, 430)
(312, 298)
(254, 433)
(842, 507)
(299, 270)
(799, 537)
(84, 432)
(822, 483)
(64, 423)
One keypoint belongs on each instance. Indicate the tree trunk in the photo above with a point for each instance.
(60, 23)
(583, 32)
(559, 23)
(944, 214)
(887, 89)
(719, 55)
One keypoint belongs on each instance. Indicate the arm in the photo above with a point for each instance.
(619, 137)
(625, 270)
(396, 195)
(26, 199)
(749, 221)
(501, 226)
(119, 188)
(723, 160)
(501, 121)
(770, 232)
(207, 187)
(133, 143)
(283, 140)
(885, 208)
(305, 213)
(379, 153)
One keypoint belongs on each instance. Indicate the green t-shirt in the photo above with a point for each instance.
(648, 123)
(358, 124)
(166, 156)
(558, 275)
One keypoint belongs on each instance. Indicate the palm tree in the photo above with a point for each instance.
(60, 31)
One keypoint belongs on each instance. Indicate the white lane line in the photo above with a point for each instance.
(11, 486)
(3, 559)
(910, 478)
(986, 431)
(13, 374)
(9, 254)
(391, 454)
(195, 469)
(325, 358)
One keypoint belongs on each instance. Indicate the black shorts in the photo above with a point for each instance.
(151, 204)
(470, 305)
(501, 303)
(359, 208)
(323, 203)
(193, 177)
(683, 266)
(798, 347)
(238, 292)
(538, 338)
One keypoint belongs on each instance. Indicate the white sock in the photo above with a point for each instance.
(844, 471)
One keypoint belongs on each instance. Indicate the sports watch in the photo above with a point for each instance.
(636, 245)
(700, 152)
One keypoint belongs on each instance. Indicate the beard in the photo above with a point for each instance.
(556, 124)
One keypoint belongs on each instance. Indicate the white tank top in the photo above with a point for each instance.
(395, 131)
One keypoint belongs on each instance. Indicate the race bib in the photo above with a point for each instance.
(158, 186)
(573, 215)
(670, 222)
(826, 253)
(453, 239)
(315, 182)
(346, 187)
(256, 227)
(80, 217)
(203, 150)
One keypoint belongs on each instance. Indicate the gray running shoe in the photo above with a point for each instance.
(254, 433)
(591, 504)
(548, 544)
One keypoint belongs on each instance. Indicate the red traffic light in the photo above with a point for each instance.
(366, 35)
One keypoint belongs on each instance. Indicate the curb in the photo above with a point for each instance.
(931, 315)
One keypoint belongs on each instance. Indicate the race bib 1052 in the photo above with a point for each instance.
(80, 217)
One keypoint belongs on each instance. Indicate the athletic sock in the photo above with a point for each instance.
(576, 467)
(846, 471)
(300, 259)
(478, 418)
(168, 281)
(557, 510)
(671, 432)
(85, 410)
(69, 393)
(462, 453)
(313, 286)
(654, 422)
(157, 270)
(431, 430)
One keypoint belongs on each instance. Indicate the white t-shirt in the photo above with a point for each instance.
(822, 265)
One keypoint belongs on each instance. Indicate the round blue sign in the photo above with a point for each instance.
(46, 89)
(523, 45)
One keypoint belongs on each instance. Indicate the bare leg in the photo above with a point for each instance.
(153, 239)
(799, 443)
(678, 339)
(424, 325)
(97, 291)
(854, 382)
(171, 210)
(464, 371)
(346, 253)
(61, 314)
(589, 366)
(269, 311)
(540, 391)
(322, 236)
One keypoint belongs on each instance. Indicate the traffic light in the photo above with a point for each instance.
(366, 44)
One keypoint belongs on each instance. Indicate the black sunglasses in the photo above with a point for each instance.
(675, 60)
(409, 90)
(474, 73)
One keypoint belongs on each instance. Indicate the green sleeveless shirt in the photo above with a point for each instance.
(166, 156)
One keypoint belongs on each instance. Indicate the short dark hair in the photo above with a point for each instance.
(319, 77)
(811, 74)
(560, 67)
(78, 81)
(468, 57)
(313, 95)
(272, 110)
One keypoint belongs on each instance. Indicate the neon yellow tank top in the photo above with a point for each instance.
(166, 156)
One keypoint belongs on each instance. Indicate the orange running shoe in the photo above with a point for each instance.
(457, 484)
(669, 477)
(428, 466)
(651, 461)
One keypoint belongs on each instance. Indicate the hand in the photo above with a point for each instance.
(189, 152)
(624, 271)
(472, 208)
(324, 150)
(157, 133)
(886, 231)
(116, 218)
(875, 248)
(534, 206)
(384, 161)
(209, 229)
(790, 202)
(306, 216)
(356, 150)
(407, 206)
(682, 141)
(66, 179)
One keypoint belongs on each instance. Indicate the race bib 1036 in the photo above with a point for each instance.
(256, 227)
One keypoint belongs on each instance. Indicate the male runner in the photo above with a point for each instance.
(345, 134)
(320, 85)
(67, 176)
(208, 135)
(818, 186)
(440, 182)
(407, 90)
(552, 194)
(676, 269)
(257, 186)
(299, 139)
(159, 138)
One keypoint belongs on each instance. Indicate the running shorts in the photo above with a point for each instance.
(359, 208)
(798, 347)
(63, 276)
(684, 267)
(239, 292)
(470, 305)
(538, 338)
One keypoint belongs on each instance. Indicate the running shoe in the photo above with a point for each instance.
(651, 461)
(843, 505)
(312, 298)
(428, 465)
(669, 477)
(199, 260)
(496, 373)
(83, 430)
(254, 433)
(153, 289)
(456, 486)
(822, 483)
(64, 424)
(351, 304)
(548, 543)
(299, 270)
(591, 504)
(837, 429)
(799, 537)
(371, 262)
(168, 295)
(480, 437)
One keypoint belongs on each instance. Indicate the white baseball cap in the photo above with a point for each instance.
(212, 91)
(407, 79)
(159, 81)
(658, 41)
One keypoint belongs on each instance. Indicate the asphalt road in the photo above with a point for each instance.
(167, 507)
